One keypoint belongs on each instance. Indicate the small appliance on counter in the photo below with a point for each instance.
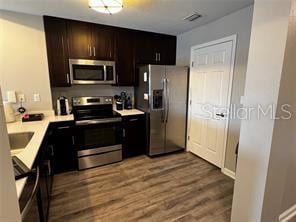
(128, 103)
(63, 106)
(119, 105)
(32, 117)
(123, 101)
(9, 112)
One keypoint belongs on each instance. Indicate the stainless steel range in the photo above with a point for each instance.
(98, 131)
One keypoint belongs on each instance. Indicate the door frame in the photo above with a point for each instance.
(233, 39)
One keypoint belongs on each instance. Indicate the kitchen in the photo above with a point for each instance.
(106, 110)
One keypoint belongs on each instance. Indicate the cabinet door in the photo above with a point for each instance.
(125, 63)
(145, 48)
(165, 49)
(171, 49)
(103, 40)
(80, 37)
(57, 51)
(134, 141)
(64, 155)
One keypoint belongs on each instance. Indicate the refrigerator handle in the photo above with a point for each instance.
(167, 98)
(163, 113)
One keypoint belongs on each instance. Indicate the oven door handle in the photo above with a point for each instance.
(97, 121)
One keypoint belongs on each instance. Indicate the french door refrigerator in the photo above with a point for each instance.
(162, 94)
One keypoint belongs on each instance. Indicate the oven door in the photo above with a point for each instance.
(91, 134)
(98, 142)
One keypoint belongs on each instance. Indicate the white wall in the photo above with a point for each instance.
(265, 63)
(236, 23)
(23, 59)
(9, 207)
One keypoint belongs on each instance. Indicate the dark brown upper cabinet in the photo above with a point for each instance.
(80, 40)
(153, 48)
(125, 62)
(90, 41)
(103, 40)
(57, 51)
(70, 39)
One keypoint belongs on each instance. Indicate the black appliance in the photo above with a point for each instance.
(98, 131)
(62, 106)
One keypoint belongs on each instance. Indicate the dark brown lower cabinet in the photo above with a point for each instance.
(63, 149)
(134, 139)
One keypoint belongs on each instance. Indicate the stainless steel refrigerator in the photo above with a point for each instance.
(162, 94)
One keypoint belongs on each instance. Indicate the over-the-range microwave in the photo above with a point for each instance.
(84, 71)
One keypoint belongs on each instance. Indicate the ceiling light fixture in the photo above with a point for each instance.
(106, 6)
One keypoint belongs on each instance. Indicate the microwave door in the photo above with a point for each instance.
(88, 74)
(92, 71)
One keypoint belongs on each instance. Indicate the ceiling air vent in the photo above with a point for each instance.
(192, 17)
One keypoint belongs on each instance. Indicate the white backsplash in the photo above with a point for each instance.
(90, 90)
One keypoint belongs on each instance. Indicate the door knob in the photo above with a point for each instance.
(220, 114)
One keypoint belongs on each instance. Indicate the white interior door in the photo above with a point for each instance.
(209, 95)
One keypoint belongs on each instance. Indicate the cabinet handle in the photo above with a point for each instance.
(123, 133)
(63, 127)
(89, 50)
(73, 140)
(51, 150)
(94, 51)
(117, 79)
(156, 57)
(133, 120)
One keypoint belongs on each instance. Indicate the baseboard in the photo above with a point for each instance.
(228, 172)
(288, 214)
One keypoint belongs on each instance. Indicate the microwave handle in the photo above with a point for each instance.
(68, 78)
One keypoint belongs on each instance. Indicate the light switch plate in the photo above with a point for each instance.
(36, 97)
(11, 96)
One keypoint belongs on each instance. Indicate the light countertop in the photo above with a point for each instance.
(129, 112)
(30, 152)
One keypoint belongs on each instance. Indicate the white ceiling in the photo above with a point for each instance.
(164, 16)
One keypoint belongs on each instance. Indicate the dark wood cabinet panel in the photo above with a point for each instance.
(165, 47)
(134, 141)
(125, 63)
(62, 142)
(153, 48)
(171, 49)
(80, 40)
(145, 48)
(57, 51)
(103, 42)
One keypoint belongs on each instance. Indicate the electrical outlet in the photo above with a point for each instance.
(36, 97)
(21, 98)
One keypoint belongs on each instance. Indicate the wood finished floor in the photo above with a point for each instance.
(179, 187)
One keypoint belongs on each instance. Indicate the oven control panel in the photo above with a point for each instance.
(87, 101)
